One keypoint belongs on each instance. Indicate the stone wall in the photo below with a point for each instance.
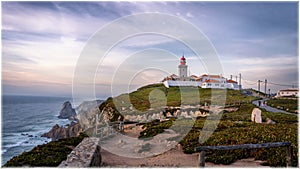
(86, 154)
(187, 112)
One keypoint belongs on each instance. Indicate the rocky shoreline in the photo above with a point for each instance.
(59, 132)
(85, 111)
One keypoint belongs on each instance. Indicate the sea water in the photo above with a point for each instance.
(25, 119)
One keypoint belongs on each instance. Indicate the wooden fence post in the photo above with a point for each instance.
(289, 151)
(202, 159)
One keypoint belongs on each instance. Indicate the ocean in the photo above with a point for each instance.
(25, 119)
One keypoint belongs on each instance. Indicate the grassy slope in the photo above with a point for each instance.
(50, 154)
(234, 127)
(290, 105)
(161, 96)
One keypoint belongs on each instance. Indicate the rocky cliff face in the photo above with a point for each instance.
(67, 111)
(58, 132)
(109, 111)
(86, 113)
(105, 111)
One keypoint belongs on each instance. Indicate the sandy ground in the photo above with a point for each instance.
(171, 158)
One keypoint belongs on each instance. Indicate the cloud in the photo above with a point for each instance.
(188, 14)
(58, 20)
(41, 41)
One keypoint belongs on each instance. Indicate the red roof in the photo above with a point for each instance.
(211, 81)
(182, 58)
(231, 81)
(289, 90)
(211, 76)
(214, 76)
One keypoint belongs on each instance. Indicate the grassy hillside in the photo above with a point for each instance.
(286, 104)
(237, 128)
(156, 96)
(234, 127)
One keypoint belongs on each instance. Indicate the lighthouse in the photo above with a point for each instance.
(182, 69)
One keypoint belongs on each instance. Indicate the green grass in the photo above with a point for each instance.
(156, 96)
(155, 127)
(289, 105)
(50, 154)
(233, 128)
(237, 128)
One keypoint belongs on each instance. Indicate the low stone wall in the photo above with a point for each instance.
(86, 154)
(190, 112)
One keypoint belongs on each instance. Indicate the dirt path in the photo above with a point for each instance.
(171, 158)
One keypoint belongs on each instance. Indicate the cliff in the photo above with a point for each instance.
(88, 110)
(58, 132)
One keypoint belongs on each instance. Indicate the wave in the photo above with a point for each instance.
(12, 145)
(24, 120)
(3, 151)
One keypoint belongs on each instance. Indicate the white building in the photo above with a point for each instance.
(204, 81)
(287, 93)
(219, 83)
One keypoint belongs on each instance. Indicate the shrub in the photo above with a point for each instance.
(50, 154)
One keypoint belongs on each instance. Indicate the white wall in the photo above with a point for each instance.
(287, 93)
(181, 83)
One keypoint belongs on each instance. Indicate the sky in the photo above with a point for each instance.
(43, 42)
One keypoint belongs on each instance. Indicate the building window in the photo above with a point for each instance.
(216, 84)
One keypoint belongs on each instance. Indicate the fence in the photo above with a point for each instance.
(203, 150)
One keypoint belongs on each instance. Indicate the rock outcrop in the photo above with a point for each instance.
(256, 115)
(58, 132)
(87, 112)
(90, 111)
(270, 121)
(67, 111)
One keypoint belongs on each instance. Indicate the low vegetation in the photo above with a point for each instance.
(289, 105)
(50, 154)
(157, 95)
(237, 128)
(234, 127)
(155, 127)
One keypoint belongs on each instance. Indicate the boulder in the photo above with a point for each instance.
(58, 132)
(270, 121)
(67, 111)
(256, 115)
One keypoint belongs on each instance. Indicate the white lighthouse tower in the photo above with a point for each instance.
(182, 69)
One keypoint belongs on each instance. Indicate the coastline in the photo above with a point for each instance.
(25, 119)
